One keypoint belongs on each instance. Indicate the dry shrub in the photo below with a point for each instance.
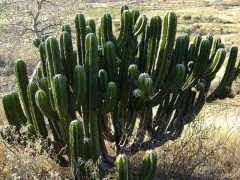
(28, 162)
(204, 151)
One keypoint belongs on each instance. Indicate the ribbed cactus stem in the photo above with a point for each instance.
(89, 114)
(76, 140)
(227, 77)
(165, 49)
(126, 28)
(13, 110)
(110, 58)
(60, 97)
(37, 116)
(79, 87)
(149, 166)
(22, 82)
(91, 23)
(153, 41)
(106, 29)
(80, 26)
(122, 168)
(67, 55)
(44, 105)
(54, 65)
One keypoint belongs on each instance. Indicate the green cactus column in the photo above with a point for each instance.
(90, 115)
(149, 166)
(76, 139)
(122, 168)
(165, 49)
(22, 82)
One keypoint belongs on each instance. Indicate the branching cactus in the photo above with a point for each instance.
(135, 90)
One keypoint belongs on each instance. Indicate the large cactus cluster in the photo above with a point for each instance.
(135, 90)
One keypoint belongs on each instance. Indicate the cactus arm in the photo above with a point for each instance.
(195, 109)
(227, 78)
(153, 41)
(214, 47)
(42, 53)
(111, 61)
(139, 25)
(92, 75)
(178, 53)
(67, 55)
(80, 26)
(126, 28)
(176, 77)
(53, 55)
(145, 85)
(51, 70)
(60, 97)
(133, 74)
(44, 105)
(216, 63)
(102, 80)
(124, 8)
(67, 28)
(38, 119)
(22, 82)
(122, 168)
(88, 30)
(149, 165)
(135, 16)
(39, 73)
(165, 49)
(199, 65)
(13, 110)
(110, 98)
(91, 23)
(76, 139)
(79, 88)
(36, 42)
(106, 29)
(142, 50)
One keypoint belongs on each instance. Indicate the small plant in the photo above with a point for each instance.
(187, 17)
(147, 171)
(136, 91)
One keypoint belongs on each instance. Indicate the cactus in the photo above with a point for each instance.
(80, 26)
(147, 171)
(122, 167)
(77, 148)
(22, 82)
(165, 48)
(13, 110)
(113, 83)
(37, 117)
(149, 165)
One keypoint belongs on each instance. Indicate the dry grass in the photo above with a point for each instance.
(28, 163)
(207, 149)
